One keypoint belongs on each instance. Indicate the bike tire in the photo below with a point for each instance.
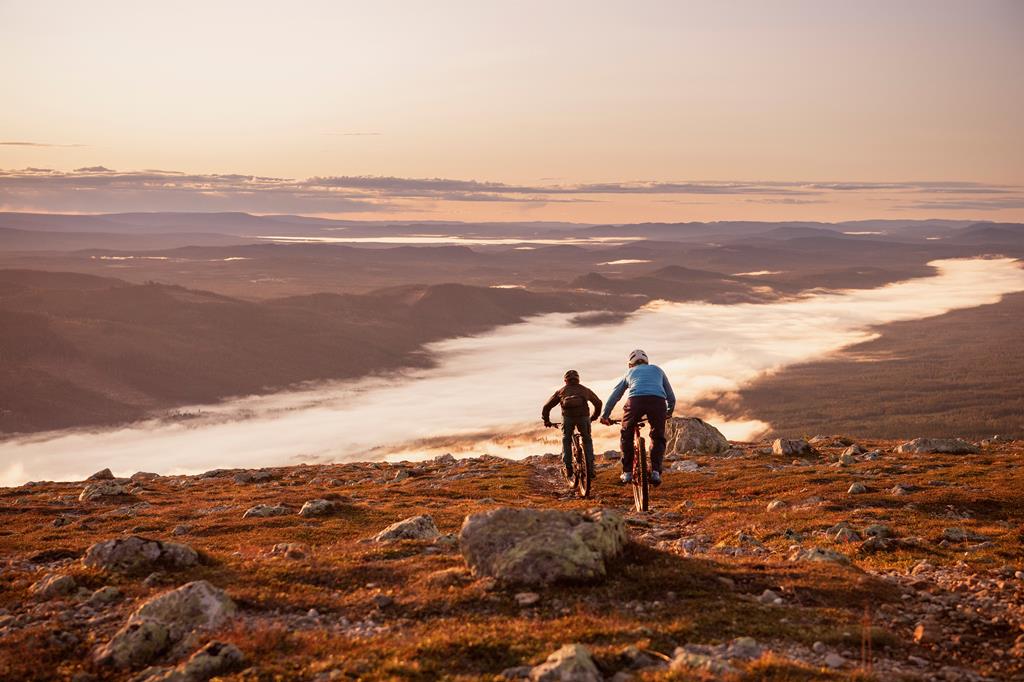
(641, 482)
(581, 470)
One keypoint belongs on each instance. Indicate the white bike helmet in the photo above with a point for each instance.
(638, 357)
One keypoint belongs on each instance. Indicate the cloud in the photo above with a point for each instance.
(101, 189)
(37, 144)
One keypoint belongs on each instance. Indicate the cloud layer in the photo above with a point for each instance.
(99, 189)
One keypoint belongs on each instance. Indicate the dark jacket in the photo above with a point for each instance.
(573, 399)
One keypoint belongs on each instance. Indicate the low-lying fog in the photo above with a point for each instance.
(485, 393)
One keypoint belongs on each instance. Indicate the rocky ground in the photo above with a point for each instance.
(785, 561)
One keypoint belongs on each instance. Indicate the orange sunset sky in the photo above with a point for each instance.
(580, 111)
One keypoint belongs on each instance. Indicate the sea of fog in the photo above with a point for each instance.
(485, 392)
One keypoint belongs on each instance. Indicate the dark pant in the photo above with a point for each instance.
(581, 424)
(655, 409)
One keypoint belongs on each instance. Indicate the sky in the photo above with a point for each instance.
(584, 111)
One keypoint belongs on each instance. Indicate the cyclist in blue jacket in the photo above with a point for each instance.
(649, 396)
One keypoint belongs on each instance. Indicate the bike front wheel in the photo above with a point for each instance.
(641, 480)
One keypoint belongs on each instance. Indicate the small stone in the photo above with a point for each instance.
(878, 531)
(857, 489)
(266, 510)
(819, 647)
(318, 508)
(834, 661)
(770, 597)
(571, 663)
(927, 632)
(745, 647)
(382, 601)
(104, 595)
(54, 585)
(527, 598)
(181, 529)
(777, 505)
(413, 528)
(612, 455)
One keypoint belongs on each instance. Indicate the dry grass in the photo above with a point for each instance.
(654, 598)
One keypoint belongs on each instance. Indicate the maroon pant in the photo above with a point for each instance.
(655, 409)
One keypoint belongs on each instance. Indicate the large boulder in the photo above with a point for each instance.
(166, 621)
(412, 528)
(137, 553)
(571, 663)
(541, 546)
(946, 446)
(689, 434)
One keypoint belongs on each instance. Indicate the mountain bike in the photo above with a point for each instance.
(580, 479)
(641, 473)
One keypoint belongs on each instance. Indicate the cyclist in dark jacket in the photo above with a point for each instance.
(573, 399)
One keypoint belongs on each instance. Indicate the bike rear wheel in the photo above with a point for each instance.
(580, 469)
(641, 482)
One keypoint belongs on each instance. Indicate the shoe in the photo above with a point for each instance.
(655, 478)
(568, 473)
(625, 477)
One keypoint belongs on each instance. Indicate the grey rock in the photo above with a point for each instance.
(144, 476)
(54, 585)
(819, 554)
(949, 446)
(684, 661)
(541, 546)
(413, 528)
(243, 477)
(834, 661)
(135, 644)
(962, 535)
(878, 531)
(612, 455)
(136, 553)
(687, 466)
(102, 475)
(261, 511)
(571, 663)
(791, 447)
(854, 450)
(692, 435)
(104, 596)
(744, 647)
(216, 658)
(97, 490)
(527, 598)
(319, 508)
(777, 505)
(166, 620)
(857, 489)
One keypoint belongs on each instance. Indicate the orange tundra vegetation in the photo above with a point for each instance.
(932, 546)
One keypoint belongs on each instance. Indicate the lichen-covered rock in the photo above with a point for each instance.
(319, 508)
(571, 663)
(134, 645)
(820, 554)
(692, 435)
(54, 585)
(791, 447)
(97, 490)
(412, 528)
(264, 510)
(541, 546)
(216, 658)
(137, 553)
(947, 446)
(165, 621)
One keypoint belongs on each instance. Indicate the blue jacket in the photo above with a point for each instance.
(642, 380)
